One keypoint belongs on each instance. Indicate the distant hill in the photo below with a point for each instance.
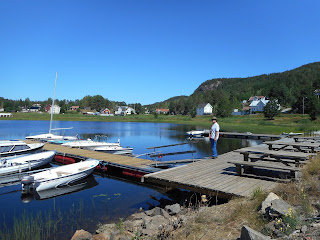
(288, 87)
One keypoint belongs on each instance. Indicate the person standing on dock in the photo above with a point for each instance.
(214, 136)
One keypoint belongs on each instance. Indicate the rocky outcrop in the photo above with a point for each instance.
(157, 222)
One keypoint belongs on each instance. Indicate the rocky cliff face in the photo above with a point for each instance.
(209, 86)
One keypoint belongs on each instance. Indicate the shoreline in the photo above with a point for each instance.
(246, 123)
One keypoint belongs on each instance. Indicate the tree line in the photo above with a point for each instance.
(293, 89)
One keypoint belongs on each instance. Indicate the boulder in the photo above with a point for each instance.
(248, 233)
(155, 222)
(173, 209)
(279, 208)
(267, 202)
(82, 235)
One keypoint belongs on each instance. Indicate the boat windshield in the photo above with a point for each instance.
(5, 149)
(100, 138)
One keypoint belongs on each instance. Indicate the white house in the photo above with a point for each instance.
(55, 109)
(130, 110)
(258, 105)
(124, 110)
(204, 109)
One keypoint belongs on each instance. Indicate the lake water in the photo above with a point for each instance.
(99, 199)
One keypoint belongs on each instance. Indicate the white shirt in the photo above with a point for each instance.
(215, 128)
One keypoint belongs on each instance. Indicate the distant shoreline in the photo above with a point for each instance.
(247, 123)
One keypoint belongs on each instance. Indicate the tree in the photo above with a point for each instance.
(271, 109)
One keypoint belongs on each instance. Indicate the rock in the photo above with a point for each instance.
(316, 225)
(153, 212)
(82, 235)
(133, 225)
(106, 228)
(173, 209)
(304, 229)
(100, 236)
(248, 233)
(279, 208)
(267, 202)
(137, 216)
(155, 222)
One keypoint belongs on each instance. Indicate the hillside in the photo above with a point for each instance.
(288, 87)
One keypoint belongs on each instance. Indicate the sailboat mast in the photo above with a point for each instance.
(54, 94)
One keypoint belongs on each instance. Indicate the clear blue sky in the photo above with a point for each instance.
(148, 50)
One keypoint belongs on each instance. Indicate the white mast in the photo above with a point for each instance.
(54, 93)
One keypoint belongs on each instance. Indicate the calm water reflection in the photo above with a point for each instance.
(103, 199)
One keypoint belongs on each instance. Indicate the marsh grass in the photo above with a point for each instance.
(43, 225)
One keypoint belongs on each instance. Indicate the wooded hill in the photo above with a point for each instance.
(289, 87)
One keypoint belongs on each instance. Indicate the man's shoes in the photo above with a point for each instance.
(213, 157)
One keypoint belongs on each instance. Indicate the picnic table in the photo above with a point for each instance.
(279, 160)
(278, 155)
(311, 139)
(297, 145)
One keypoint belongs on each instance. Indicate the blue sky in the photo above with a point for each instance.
(148, 50)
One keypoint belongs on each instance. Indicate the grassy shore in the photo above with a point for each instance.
(247, 123)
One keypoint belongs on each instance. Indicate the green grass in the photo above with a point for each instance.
(247, 123)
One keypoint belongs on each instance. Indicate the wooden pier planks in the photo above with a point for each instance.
(106, 157)
(210, 176)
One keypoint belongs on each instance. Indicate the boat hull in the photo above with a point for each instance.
(34, 148)
(61, 176)
(26, 163)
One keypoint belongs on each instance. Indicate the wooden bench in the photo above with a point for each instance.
(294, 171)
(297, 145)
(278, 155)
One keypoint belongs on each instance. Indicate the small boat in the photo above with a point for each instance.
(80, 185)
(17, 147)
(59, 176)
(192, 134)
(99, 143)
(27, 162)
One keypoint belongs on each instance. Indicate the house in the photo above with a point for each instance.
(258, 105)
(74, 108)
(124, 110)
(55, 109)
(162, 110)
(106, 112)
(130, 110)
(204, 109)
(256, 98)
(35, 107)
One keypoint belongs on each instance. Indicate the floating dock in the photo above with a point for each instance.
(214, 177)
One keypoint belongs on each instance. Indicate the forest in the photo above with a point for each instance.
(293, 89)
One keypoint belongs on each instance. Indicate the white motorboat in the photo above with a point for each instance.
(99, 143)
(198, 133)
(50, 136)
(80, 185)
(22, 163)
(17, 147)
(115, 150)
(59, 176)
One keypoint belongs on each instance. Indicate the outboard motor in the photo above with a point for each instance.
(27, 184)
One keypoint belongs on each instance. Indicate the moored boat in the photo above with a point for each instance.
(59, 176)
(17, 147)
(25, 162)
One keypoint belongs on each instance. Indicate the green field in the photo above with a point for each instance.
(247, 123)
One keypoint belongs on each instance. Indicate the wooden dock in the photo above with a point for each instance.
(249, 135)
(126, 162)
(212, 177)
